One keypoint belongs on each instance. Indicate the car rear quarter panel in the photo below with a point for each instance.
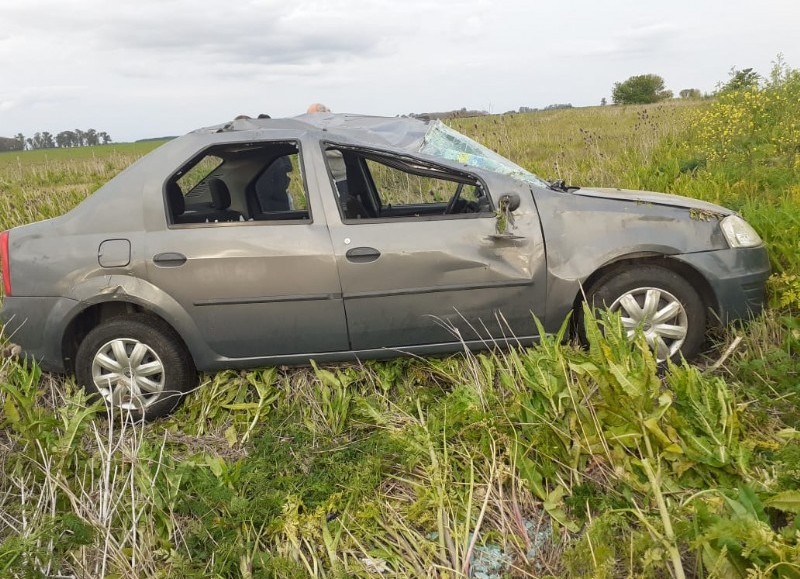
(56, 273)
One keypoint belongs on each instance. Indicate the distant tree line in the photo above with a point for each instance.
(46, 140)
(454, 114)
(553, 107)
(650, 88)
(7, 144)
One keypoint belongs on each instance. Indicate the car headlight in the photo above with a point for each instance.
(738, 232)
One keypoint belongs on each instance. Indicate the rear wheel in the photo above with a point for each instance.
(136, 363)
(659, 302)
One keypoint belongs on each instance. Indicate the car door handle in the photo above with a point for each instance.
(169, 259)
(362, 254)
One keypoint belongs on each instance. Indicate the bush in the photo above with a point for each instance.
(755, 125)
(641, 89)
(690, 93)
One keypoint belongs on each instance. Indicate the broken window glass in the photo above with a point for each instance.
(446, 143)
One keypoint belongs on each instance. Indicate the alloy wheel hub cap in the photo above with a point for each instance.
(128, 374)
(658, 314)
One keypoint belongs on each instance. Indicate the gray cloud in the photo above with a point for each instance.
(630, 42)
(141, 67)
(269, 31)
(40, 95)
(646, 39)
(238, 38)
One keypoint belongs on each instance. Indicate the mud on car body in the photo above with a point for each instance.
(335, 237)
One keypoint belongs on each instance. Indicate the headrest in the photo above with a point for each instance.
(220, 196)
(175, 199)
(281, 164)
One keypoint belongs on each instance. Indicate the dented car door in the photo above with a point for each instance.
(429, 281)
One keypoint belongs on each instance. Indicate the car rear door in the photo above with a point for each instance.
(255, 288)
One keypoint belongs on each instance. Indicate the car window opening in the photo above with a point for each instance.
(236, 183)
(446, 143)
(374, 186)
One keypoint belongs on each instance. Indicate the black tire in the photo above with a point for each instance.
(672, 289)
(158, 373)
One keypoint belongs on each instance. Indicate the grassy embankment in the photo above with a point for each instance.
(551, 461)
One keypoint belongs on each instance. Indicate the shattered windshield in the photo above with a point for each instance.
(442, 141)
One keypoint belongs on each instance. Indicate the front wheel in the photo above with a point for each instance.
(136, 363)
(659, 302)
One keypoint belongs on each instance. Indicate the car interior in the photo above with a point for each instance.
(240, 182)
(378, 186)
(264, 182)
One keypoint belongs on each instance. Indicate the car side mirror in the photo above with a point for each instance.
(509, 202)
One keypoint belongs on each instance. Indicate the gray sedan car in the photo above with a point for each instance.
(333, 237)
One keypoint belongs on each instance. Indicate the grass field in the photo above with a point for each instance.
(71, 155)
(552, 461)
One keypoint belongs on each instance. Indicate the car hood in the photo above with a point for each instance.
(653, 198)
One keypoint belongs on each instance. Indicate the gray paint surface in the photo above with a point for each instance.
(254, 292)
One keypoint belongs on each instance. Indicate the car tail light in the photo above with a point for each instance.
(5, 264)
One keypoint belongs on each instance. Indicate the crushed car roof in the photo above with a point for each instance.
(400, 132)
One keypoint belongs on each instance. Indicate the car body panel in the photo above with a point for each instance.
(654, 198)
(585, 233)
(442, 279)
(37, 324)
(438, 280)
(737, 278)
(240, 285)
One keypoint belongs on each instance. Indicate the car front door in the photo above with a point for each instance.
(416, 271)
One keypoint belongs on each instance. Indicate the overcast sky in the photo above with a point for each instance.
(144, 68)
